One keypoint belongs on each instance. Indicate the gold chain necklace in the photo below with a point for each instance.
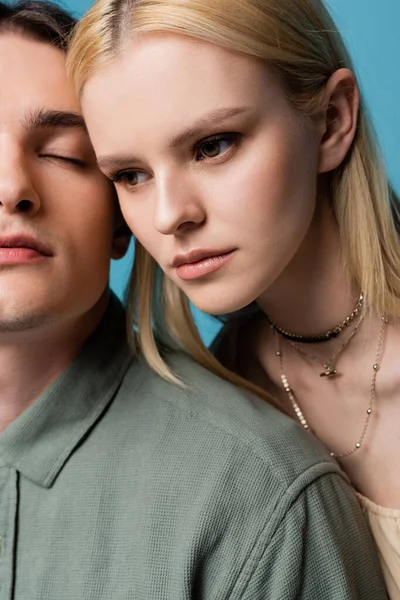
(299, 412)
(320, 337)
(330, 364)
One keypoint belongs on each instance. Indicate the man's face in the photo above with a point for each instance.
(57, 210)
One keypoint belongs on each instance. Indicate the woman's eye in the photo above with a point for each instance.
(129, 178)
(215, 146)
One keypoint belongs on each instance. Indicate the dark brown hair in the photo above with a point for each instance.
(42, 21)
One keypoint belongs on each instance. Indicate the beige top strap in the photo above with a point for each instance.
(385, 527)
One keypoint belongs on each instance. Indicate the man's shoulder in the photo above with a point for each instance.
(209, 411)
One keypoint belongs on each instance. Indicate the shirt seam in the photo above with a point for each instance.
(261, 545)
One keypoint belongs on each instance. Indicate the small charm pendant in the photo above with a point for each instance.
(329, 372)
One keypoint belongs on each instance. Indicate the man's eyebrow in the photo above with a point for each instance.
(197, 129)
(42, 118)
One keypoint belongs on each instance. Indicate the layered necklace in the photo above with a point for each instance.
(329, 365)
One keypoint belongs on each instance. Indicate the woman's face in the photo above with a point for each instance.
(215, 172)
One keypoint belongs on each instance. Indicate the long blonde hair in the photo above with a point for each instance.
(298, 39)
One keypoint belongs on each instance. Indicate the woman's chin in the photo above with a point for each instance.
(217, 305)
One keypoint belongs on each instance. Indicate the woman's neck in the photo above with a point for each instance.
(311, 296)
(313, 293)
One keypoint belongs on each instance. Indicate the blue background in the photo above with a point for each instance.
(371, 31)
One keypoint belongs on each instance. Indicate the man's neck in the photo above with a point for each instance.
(31, 361)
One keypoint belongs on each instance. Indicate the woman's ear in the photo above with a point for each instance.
(339, 119)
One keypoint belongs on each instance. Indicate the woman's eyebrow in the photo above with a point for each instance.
(109, 162)
(216, 116)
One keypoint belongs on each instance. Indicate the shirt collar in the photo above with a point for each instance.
(40, 441)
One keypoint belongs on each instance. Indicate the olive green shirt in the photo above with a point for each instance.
(117, 485)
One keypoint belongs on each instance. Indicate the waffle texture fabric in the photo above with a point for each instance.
(117, 485)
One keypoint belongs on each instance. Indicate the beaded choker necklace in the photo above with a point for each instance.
(320, 337)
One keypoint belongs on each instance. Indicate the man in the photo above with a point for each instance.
(116, 484)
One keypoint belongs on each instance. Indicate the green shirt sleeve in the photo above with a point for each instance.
(321, 550)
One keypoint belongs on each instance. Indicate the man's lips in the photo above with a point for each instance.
(12, 243)
(22, 249)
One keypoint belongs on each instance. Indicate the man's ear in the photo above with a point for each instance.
(121, 238)
(339, 119)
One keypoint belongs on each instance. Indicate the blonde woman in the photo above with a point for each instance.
(245, 165)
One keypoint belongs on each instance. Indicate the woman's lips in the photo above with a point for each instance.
(204, 265)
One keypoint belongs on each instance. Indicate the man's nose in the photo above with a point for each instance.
(17, 191)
